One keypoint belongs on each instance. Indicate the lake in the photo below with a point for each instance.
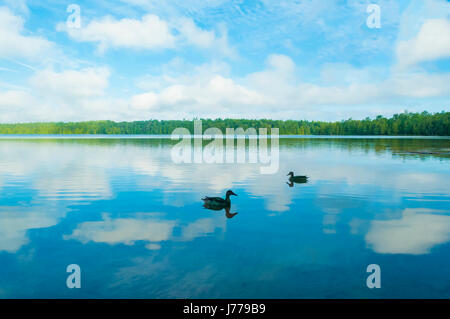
(133, 220)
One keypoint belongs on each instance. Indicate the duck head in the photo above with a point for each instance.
(230, 192)
(291, 174)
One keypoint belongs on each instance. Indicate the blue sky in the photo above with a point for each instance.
(141, 59)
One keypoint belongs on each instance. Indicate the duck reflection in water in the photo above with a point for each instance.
(296, 179)
(219, 203)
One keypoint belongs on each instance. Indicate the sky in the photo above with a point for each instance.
(181, 59)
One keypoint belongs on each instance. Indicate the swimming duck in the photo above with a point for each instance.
(219, 202)
(297, 179)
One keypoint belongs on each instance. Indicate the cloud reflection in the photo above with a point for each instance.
(148, 228)
(416, 232)
(123, 230)
(15, 224)
(87, 170)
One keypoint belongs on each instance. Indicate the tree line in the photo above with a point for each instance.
(425, 123)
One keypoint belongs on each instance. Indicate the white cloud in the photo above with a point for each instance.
(432, 42)
(281, 63)
(278, 90)
(208, 90)
(15, 43)
(199, 96)
(194, 34)
(419, 85)
(12, 99)
(83, 83)
(148, 33)
(205, 39)
(60, 95)
(18, 5)
(417, 232)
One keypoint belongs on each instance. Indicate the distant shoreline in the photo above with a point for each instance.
(166, 136)
(404, 124)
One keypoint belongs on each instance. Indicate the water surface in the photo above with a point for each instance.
(134, 222)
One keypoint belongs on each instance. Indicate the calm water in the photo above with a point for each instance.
(134, 222)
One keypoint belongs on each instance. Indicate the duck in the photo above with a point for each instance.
(296, 179)
(218, 202)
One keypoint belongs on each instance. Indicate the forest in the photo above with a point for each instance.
(425, 124)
